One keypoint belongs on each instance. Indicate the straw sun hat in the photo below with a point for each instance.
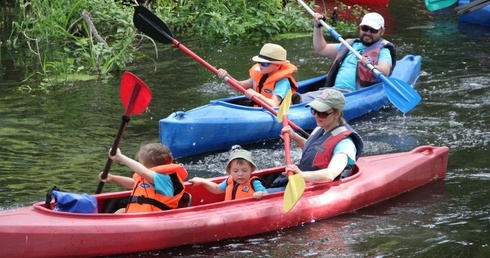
(271, 53)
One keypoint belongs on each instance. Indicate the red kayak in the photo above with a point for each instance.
(36, 231)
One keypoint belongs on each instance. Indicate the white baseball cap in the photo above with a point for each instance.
(373, 20)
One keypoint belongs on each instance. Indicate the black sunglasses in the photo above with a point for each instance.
(367, 28)
(264, 64)
(320, 114)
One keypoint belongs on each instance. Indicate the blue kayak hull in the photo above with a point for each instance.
(221, 123)
(480, 16)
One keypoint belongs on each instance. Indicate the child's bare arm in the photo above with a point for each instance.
(134, 165)
(210, 186)
(124, 181)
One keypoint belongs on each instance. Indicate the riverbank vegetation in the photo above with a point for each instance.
(70, 40)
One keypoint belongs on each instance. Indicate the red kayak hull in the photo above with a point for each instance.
(35, 231)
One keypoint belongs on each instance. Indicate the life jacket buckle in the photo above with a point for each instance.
(138, 199)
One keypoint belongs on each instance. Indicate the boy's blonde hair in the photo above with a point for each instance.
(154, 154)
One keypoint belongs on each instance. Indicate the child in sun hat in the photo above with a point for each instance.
(240, 183)
(271, 78)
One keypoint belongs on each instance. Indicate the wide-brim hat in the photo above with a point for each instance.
(271, 53)
(240, 154)
(329, 99)
(373, 20)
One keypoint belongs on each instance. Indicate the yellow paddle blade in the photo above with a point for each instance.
(284, 108)
(294, 189)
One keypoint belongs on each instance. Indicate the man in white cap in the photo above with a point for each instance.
(271, 78)
(348, 73)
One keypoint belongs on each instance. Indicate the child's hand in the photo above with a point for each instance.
(250, 93)
(108, 178)
(117, 156)
(196, 181)
(258, 195)
(222, 73)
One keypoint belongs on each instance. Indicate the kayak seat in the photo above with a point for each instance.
(296, 98)
(114, 204)
(269, 179)
(185, 201)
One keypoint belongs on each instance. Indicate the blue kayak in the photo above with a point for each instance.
(480, 16)
(222, 123)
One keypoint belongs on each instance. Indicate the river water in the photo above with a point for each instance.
(61, 138)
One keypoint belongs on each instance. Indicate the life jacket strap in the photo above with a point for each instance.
(145, 200)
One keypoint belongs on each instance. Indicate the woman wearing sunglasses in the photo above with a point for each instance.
(348, 73)
(270, 78)
(332, 148)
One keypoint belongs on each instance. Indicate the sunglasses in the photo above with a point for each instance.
(264, 64)
(367, 28)
(320, 114)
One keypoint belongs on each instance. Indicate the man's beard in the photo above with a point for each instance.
(367, 43)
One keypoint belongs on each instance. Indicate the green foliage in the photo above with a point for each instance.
(350, 28)
(233, 21)
(76, 36)
(78, 39)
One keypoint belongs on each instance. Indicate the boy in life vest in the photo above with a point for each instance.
(157, 183)
(240, 183)
(270, 78)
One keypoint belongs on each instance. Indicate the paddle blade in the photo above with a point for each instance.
(135, 94)
(402, 95)
(294, 190)
(284, 108)
(147, 22)
(434, 5)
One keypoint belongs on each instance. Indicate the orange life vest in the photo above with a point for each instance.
(235, 190)
(145, 198)
(267, 87)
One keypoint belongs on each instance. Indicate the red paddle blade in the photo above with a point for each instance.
(135, 94)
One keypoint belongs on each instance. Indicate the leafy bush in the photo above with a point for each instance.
(233, 21)
(67, 37)
(85, 39)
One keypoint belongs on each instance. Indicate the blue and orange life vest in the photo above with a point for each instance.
(267, 87)
(235, 190)
(319, 147)
(145, 198)
(364, 76)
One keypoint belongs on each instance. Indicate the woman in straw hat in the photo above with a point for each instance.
(333, 147)
(240, 183)
(270, 78)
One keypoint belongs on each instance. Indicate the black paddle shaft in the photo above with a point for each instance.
(147, 22)
(115, 145)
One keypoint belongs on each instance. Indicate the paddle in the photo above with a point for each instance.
(471, 7)
(402, 95)
(296, 183)
(434, 5)
(155, 28)
(135, 96)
